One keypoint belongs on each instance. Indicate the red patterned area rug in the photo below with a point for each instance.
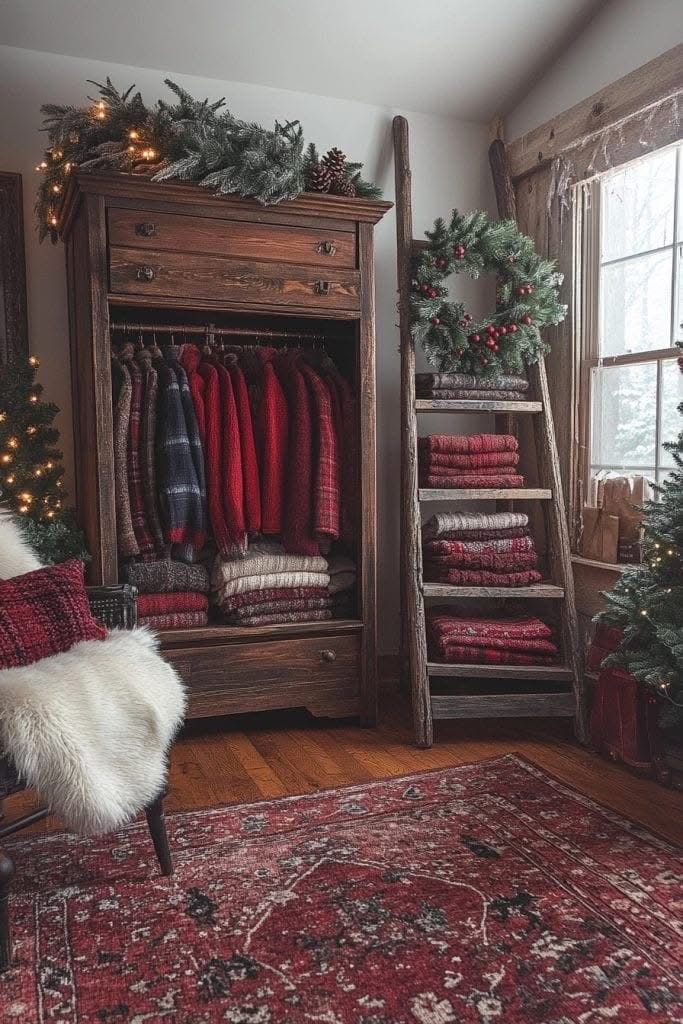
(487, 893)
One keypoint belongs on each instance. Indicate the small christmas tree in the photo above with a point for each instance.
(647, 602)
(31, 467)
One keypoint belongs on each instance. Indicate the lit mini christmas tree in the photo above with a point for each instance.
(31, 467)
(647, 602)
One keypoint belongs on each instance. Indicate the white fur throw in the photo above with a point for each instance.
(90, 728)
(16, 557)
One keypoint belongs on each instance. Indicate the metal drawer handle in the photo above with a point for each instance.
(145, 274)
(145, 230)
(328, 655)
(326, 248)
(321, 287)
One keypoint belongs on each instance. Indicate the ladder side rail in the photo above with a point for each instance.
(412, 611)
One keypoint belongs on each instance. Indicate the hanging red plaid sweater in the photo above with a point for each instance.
(326, 459)
(138, 513)
(298, 532)
(272, 431)
(250, 469)
(232, 482)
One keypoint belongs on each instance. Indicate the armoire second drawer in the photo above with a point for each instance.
(189, 276)
(235, 239)
(317, 672)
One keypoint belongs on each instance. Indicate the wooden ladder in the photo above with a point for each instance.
(564, 692)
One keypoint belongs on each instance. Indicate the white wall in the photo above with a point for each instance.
(624, 35)
(449, 169)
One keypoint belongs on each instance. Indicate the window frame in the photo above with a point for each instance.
(587, 266)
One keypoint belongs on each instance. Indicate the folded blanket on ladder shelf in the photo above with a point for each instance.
(470, 481)
(166, 577)
(460, 462)
(472, 444)
(434, 549)
(483, 558)
(488, 578)
(466, 381)
(461, 525)
(460, 394)
(456, 654)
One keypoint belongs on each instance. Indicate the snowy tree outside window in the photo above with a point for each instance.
(633, 223)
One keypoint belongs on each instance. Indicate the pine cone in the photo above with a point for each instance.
(335, 161)
(319, 178)
(341, 186)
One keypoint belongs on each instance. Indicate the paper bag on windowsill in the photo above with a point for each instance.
(621, 497)
(600, 535)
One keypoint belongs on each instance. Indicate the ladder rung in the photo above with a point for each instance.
(484, 494)
(546, 590)
(549, 672)
(471, 405)
(514, 705)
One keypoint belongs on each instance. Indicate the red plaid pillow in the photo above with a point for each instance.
(44, 612)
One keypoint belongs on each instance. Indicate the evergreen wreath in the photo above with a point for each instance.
(526, 297)
(189, 140)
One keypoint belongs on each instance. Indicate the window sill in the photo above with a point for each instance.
(615, 567)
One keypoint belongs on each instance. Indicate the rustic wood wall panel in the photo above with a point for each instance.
(13, 311)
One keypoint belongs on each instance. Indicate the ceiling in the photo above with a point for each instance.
(469, 58)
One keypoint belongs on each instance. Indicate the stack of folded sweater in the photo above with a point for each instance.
(171, 595)
(478, 460)
(478, 641)
(269, 586)
(478, 550)
(464, 385)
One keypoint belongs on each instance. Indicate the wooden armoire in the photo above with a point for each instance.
(175, 254)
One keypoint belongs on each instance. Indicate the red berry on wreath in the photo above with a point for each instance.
(436, 321)
(468, 317)
(490, 329)
(512, 329)
(502, 330)
(490, 343)
(526, 319)
(496, 348)
(484, 362)
(476, 337)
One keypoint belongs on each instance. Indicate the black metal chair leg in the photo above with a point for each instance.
(157, 828)
(6, 876)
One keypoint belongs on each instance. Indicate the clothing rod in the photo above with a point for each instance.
(205, 330)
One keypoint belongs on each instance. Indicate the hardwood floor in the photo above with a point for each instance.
(252, 757)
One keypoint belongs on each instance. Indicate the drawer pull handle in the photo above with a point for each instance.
(145, 274)
(145, 230)
(321, 287)
(328, 655)
(326, 248)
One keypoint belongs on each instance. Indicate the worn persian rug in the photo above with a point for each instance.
(486, 893)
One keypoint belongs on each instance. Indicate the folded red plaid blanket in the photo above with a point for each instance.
(434, 549)
(321, 615)
(456, 654)
(444, 625)
(468, 444)
(275, 607)
(470, 480)
(166, 604)
(268, 594)
(429, 468)
(470, 462)
(175, 620)
(484, 578)
(504, 561)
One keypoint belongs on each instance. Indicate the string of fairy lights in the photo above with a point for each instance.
(25, 498)
(138, 150)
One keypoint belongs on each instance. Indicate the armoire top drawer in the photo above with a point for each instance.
(319, 247)
(182, 276)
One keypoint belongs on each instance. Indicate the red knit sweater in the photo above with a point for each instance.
(272, 431)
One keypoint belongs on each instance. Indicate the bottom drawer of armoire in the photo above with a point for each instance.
(321, 674)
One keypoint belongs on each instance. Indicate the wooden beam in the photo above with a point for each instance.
(474, 405)
(485, 494)
(544, 590)
(412, 605)
(558, 673)
(502, 181)
(653, 83)
(517, 705)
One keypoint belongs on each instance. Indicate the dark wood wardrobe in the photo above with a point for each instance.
(164, 253)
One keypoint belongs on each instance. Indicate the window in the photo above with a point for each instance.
(630, 307)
